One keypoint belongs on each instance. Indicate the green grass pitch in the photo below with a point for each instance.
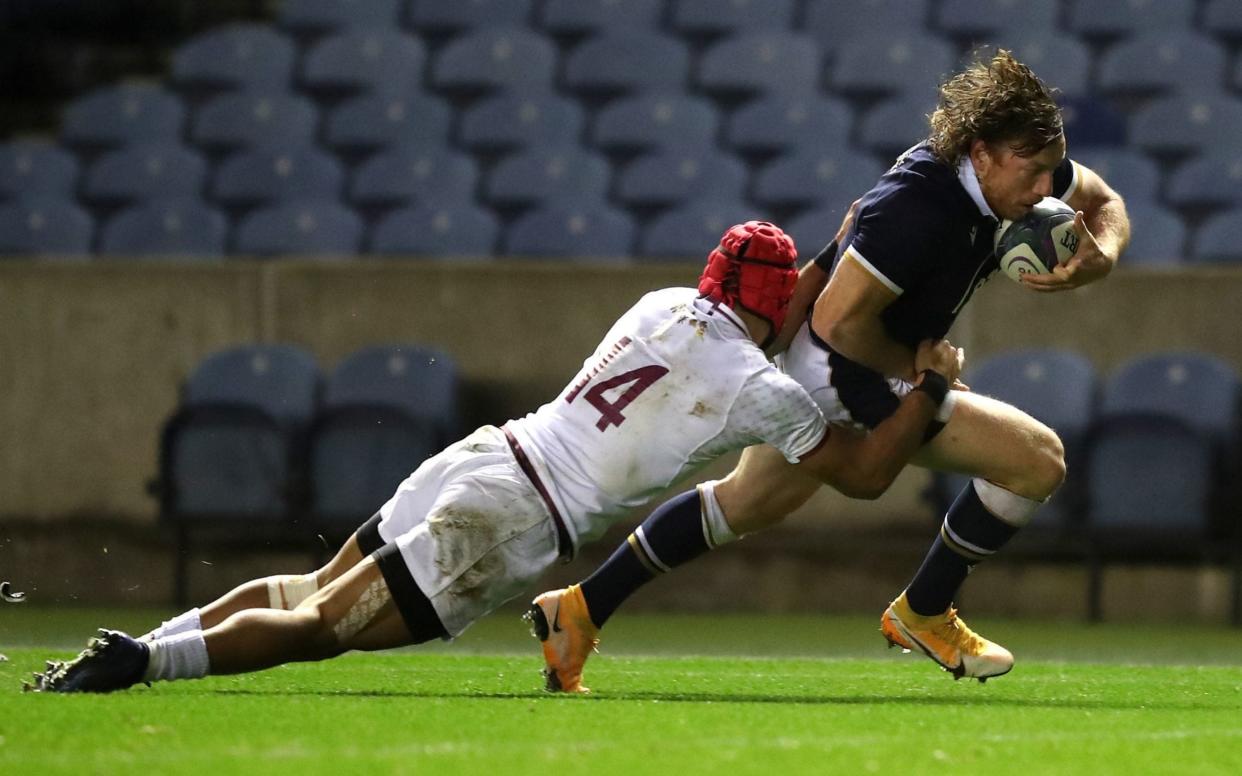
(673, 694)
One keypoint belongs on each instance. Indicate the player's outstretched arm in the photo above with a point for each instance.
(864, 465)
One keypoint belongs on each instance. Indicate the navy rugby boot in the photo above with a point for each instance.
(111, 661)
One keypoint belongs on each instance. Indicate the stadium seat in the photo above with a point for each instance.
(379, 61)
(495, 58)
(1128, 171)
(817, 177)
(825, 22)
(507, 121)
(980, 21)
(1059, 61)
(649, 121)
(1218, 240)
(1056, 387)
(813, 228)
(44, 226)
(761, 62)
(784, 122)
(677, 175)
(310, 228)
(1211, 180)
(145, 172)
(1159, 239)
(689, 232)
(1090, 121)
(255, 118)
(274, 174)
(120, 115)
(574, 230)
(1113, 18)
(29, 167)
(231, 455)
(313, 17)
(168, 227)
(712, 17)
(450, 16)
(1186, 123)
(537, 175)
(408, 174)
(369, 122)
(1161, 61)
(627, 60)
(1223, 18)
(576, 17)
(897, 123)
(1198, 388)
(435, 230)
(891, 62)
(236, 56)
(385, 410)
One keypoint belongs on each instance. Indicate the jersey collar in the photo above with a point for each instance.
(970, 181)
(707, 307)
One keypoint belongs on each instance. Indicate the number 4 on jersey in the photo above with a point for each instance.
(639, 380)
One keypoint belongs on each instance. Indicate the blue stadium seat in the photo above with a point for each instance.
(231, 454)
(323, 16)
(892, 62)
(380, 61)
(825, 22)
(1056, 387)
(507, 121)
(119, 115)
(179, 227)
(1199, 389)
(627, 60)
(689, 232)
(813, 228)
(712, 17)
(385, 410)
(1187, 123)
(573, 230)
(310, 228)
(448, 16)
(236, 56)
(436, 230)
(783, 122)
(1132, 174)
(982, 20)
(1218, 240)
(1159, 237)
(495, 58)
(1111, 18)
(818, 177)
(543, 173)
(146, 172)
(369, 122)
(1223, 18)
(1162, 61)
(414, 174)
(1211, 180)
(1059, 61)
(255, 118)
(897, 123)
(677, 175)
(274, 174)
(576, 17)
(44, 226)
(1091, 121)
(656, 120)
(29, 167)
(761, 62)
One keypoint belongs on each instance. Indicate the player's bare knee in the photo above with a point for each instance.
(1045, 467)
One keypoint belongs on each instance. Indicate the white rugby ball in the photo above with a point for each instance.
(1037, 242)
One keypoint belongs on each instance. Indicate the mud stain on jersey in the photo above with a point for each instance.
(461, 537)
(701, 410)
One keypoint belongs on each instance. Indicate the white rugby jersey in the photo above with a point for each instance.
(675, 383)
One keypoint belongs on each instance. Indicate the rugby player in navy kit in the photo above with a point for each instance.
(919, 245)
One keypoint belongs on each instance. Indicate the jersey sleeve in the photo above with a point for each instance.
(1065, 179)
(897, 233)
(773, 409)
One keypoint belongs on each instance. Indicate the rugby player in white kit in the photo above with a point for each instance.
(679, 380)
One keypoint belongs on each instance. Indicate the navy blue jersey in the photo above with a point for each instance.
(925, 231)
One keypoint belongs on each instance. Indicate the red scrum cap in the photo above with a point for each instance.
(755, 268)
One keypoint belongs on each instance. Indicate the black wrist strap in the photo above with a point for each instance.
(934, 385)
(825, 258)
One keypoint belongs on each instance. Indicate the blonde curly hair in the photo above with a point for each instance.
(995, 100)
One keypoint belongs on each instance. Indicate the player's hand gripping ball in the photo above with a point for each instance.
(1039, 241)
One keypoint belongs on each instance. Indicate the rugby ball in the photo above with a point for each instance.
(1038, 241)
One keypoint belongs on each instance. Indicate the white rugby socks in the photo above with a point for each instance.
(181, 656)
(182, 623)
